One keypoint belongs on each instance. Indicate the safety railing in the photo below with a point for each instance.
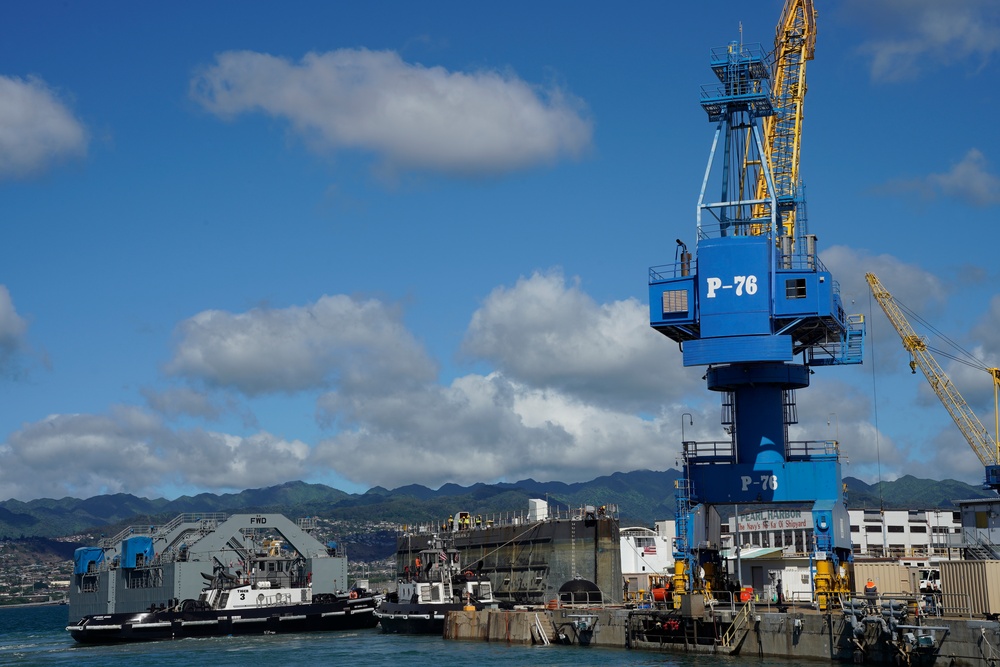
(708, 451)
(812, 449)
(668, 271)
(740, 622)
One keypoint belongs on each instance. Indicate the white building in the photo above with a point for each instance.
(913, 536)
(647, 557)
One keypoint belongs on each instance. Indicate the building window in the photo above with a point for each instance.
(855, 529)
(896, 529)
(795, 288)
(918, 529)
(873, 529)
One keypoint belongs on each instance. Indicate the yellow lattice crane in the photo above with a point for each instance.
(794, 45)
(986, 448)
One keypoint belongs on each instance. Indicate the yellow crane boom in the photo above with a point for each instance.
(985, 447)
(794, 45)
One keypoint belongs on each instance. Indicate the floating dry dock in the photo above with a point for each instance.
(529, 558)
(890, 630)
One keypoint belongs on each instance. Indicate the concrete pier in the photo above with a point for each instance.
(794, 633)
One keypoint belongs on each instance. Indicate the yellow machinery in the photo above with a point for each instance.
(985, 447)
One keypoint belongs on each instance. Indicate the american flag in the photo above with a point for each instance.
(442, 556)
(651, 550)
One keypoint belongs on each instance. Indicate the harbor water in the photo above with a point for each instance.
(37, 636)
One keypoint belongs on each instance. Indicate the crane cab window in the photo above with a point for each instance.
(795, 288)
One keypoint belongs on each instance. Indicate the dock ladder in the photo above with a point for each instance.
(541, 631)
(739, 627)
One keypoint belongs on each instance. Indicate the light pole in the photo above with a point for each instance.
(686, 480)
(935, 532)
(690, 422)
(739, 548)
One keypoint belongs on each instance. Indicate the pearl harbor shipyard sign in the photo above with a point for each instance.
(775, 519)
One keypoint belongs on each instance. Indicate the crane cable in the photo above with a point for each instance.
(966, 358)
(878, 453)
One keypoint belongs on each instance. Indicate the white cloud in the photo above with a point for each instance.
(578, 389)
(12, 332)
(914, 35)
(573, 379)
(412, 116)
(988, 329)
(393, 423)
(37, 129)
(550, 335)
(180, 401)
(485, 429)
(336, 340)
(910, 285)
(129, 450)
(969, 180)
(833, 409)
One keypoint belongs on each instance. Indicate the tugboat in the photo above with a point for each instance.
(434, 585)
(260, 583)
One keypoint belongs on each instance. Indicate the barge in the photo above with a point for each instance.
(213, 574)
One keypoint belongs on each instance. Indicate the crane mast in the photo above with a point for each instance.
(985, 447)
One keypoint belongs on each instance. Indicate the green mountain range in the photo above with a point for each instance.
(642, 496)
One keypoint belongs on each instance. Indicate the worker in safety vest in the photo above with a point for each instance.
(870, 590)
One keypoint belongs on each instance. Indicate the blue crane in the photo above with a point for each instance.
(756, 306)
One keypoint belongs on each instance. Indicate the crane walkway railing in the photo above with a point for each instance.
(723, 451)
(663, 272)
(709, 451)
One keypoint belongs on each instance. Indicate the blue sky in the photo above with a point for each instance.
(389, 243)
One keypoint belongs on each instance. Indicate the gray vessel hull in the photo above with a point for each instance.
(528, 563)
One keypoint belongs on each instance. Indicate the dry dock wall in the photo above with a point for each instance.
(804, 635)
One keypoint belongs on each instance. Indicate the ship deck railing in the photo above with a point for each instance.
(206, 519)
(521, 518)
